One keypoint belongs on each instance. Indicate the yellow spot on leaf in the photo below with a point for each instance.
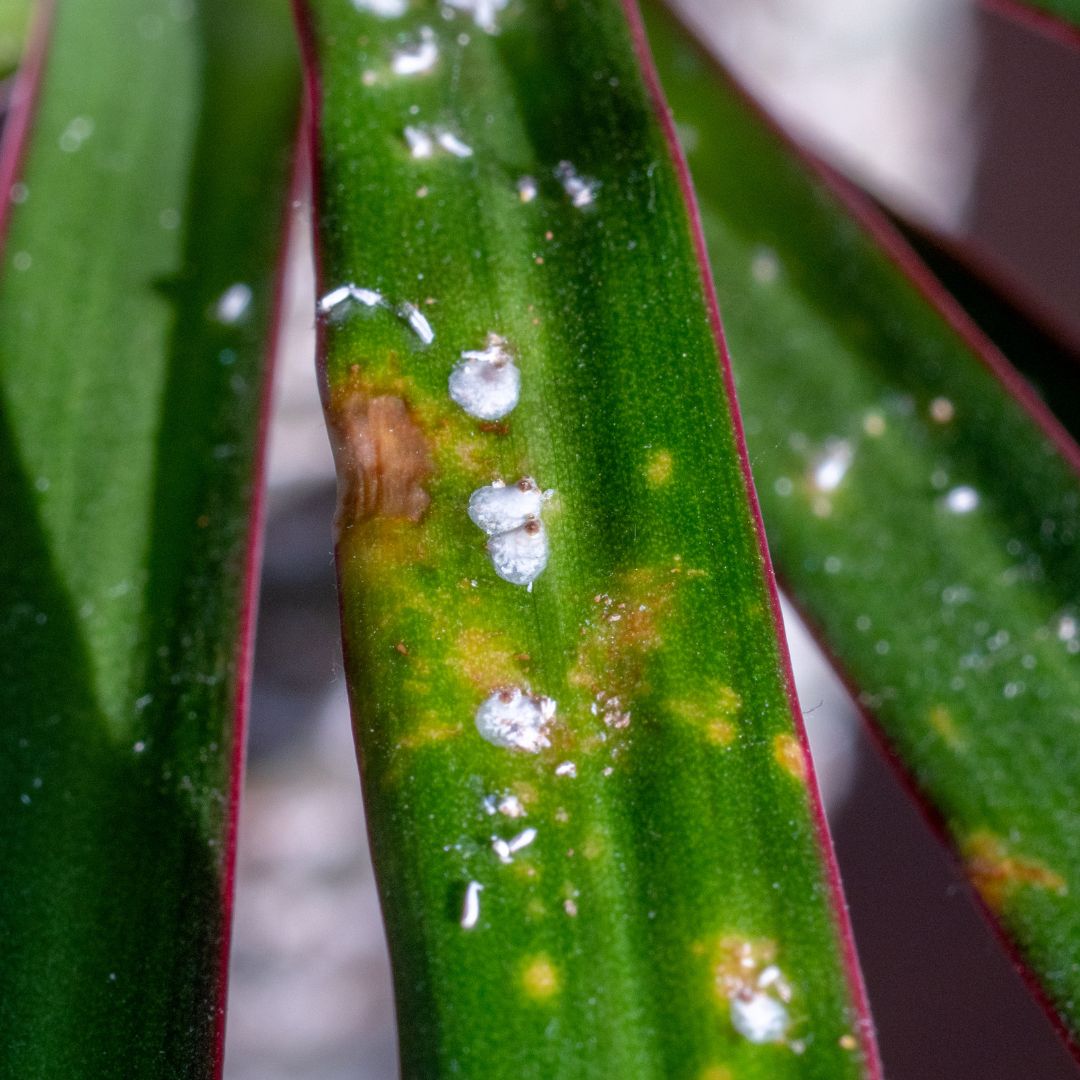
(658, 468)
(716, 1072)
(735, 962)
(714, 711)
(539, 978)
(848, 1042)
(788, 753)
(487, 658)
(997, 874)
(428, 735)
(941, 720)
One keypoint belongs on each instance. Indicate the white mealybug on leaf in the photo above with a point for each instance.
(500, 507)
(520, 555)
(486, 382)
(516, 720)
(510, 515)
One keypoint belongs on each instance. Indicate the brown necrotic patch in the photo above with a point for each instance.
(381, 455)
(997, 873)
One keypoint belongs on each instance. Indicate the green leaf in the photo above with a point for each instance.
(131, 379)
(922, 509)
(1059, 17)
(14, 24)
(611, 890)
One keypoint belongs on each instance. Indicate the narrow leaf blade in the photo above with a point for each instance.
(634, 885)
(922, 506)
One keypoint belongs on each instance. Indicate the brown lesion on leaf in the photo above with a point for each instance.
(789, 755)
(622, 629)
(997, 873)
(381, 454)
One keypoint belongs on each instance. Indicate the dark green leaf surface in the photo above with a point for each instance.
(153, 182)
(674, 872)
(916, 510)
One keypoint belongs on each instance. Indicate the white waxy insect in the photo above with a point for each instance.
(759, 1017)
(470, 908)
(418, 58)
(516, 720)
(520, 555)
(501, 507)
(486, 382)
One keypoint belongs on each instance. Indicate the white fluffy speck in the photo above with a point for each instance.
(962, 500)
(759, 1017)
(233, 304)
(417, 58)
(515, 720)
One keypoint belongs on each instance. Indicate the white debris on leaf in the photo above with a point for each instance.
(527, 189)
(507, 849)
(233, 304)
(417, 322)
(422, 142)
(566, 768)
(581, 190)
(410, 314)
(336, 297)
(419, 141)
(470, 908)
(385, 9)
(516, 720)
(500, 507)
(417, 58)
(484, 12)
(486, 382)
(831, 468)
(962, 500)
(453, 145)
(507, 805)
